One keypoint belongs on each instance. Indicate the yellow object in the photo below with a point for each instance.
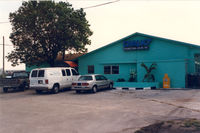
(166, 81)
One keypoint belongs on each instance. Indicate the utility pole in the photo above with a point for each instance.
(3, 57)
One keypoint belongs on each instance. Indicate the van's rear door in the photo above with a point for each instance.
(37, 77)
(33, 78)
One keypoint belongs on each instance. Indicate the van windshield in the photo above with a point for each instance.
(83, 78)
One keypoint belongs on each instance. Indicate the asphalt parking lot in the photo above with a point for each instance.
(110, 111)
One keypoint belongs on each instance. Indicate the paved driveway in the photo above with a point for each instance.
(111, 111)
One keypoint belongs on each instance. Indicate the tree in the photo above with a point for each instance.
(149, 76)
(41, 30)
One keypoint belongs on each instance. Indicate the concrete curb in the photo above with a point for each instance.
(131, 88)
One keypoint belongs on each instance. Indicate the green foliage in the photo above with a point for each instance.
(41, 30)
(132, 77)
(148, 77)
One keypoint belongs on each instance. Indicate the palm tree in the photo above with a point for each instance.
(148, 77)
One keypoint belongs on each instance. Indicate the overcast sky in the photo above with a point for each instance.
(173, 19)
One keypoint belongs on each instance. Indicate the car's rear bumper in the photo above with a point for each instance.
(81, 88)
(39, 88)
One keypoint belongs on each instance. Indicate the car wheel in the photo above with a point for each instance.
(5, 90)
(38, 91)
(55, 89)
(111, 86)
(78, 91)
(94, 89)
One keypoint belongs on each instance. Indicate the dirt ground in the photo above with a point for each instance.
(109, 111)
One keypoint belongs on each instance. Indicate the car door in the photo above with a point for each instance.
(99, 82)
(105, 82)
(68, 77)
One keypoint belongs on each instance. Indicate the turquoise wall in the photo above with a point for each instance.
(171, 57)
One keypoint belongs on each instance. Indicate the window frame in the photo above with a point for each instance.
(41, 73)
(74, 74)
(63, 72)
(90, 69)
(68, 73)
(111, 69)
(36, 74)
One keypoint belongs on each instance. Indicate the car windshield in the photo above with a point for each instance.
(83, 78)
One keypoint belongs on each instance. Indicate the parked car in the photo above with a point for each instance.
(52, 79)
(18, 80)
(92, 82)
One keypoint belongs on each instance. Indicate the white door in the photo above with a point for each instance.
(68, 77)
(63, 82)
(75, 75)
(99, 82)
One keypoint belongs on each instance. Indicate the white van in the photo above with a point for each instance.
(52, 79)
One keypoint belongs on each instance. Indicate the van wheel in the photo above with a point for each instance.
(55, 89)
(5, 90)
(94, 89)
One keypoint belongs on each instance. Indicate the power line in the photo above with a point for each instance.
(101, 4)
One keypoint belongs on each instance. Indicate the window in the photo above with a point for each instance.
(68, 72)
(107, 69)
(41, 73)
(85, 78)
(63, 73)
(111, 69)
(34, 73)
(103, 78)
(91, 69)
(97, 77)
(197, 63)
(100, 77)
(74, 72)
(20, 74)
(115, 69)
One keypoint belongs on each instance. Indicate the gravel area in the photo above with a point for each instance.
(108, 111)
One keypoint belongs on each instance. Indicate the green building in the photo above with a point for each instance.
(121, 58)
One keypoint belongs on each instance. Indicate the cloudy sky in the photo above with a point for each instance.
(173, 19)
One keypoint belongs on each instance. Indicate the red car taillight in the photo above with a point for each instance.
(73, 84)
(85, 84)
(46, 81)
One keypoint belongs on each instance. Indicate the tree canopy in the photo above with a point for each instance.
(41, 30)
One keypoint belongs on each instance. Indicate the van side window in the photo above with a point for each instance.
(34, 73)
(68, 72)
(74, 72)
(63, 73)
(41, 73)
